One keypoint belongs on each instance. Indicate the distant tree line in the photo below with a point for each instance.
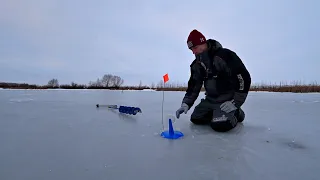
(109, 81)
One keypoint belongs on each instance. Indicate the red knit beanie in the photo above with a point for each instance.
(195, 38)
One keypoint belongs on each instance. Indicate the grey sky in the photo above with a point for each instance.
(142, 40)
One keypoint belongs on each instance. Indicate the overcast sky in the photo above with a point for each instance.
(79, 41)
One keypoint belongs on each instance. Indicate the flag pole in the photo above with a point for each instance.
(162, 106)
(165, 79)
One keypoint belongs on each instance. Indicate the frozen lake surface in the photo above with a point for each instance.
(60, 134)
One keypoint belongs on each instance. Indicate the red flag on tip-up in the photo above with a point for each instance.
(166, 78)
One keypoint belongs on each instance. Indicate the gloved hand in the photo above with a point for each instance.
(184, 108)
(228, 106)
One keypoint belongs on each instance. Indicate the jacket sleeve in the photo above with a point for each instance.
(240, 77)
(194, 85)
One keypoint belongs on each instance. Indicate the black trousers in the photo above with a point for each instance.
(208, 113)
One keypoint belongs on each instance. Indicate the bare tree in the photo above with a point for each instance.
(117, 81)
(153, 86)
(140, 84)
(99, 82)
(160, 84)
(53, 83)
(107, 80)
(73, 84)
(96, 83)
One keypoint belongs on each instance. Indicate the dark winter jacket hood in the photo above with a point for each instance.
(213, 45)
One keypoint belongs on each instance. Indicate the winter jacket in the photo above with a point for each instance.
(222, 73)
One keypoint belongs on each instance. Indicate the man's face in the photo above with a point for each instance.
(199, 49)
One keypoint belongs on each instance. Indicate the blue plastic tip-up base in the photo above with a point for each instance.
(171, 134)
(174, 135)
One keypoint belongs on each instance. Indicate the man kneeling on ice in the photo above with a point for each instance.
(226, 81)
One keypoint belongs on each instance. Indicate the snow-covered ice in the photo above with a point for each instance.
(62, 135)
